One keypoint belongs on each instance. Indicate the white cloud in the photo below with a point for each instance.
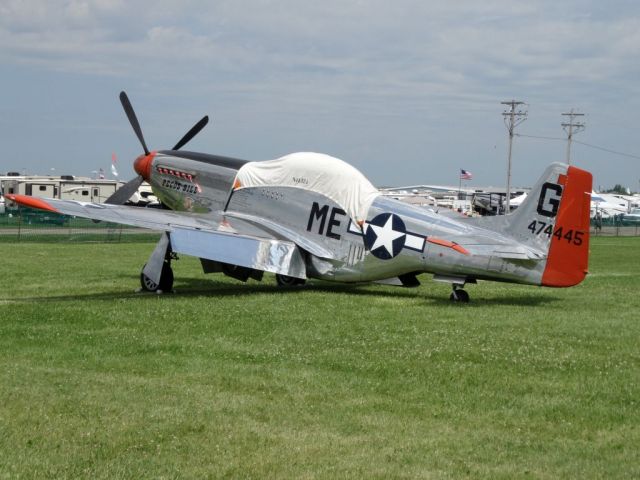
(362, 62)
(410, 44)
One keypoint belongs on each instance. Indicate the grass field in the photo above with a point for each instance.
(228, 380)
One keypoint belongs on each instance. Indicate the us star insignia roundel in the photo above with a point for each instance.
(385, 236)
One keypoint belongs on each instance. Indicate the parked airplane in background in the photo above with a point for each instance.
(309, 215)
(609, 205)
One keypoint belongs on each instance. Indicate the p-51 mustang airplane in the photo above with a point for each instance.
(309, 215)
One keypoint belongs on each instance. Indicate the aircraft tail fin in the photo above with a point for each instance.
(554, 219)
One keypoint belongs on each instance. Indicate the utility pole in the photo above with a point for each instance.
(572, 127)
(512, 119)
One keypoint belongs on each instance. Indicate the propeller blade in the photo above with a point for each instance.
(192, 133)
(124, 193)
(133, 120)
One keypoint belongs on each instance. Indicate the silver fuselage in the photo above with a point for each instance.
(306, 217)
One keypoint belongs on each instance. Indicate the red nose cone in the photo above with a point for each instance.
(142, 165)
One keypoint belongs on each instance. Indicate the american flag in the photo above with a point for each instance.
(465, 174)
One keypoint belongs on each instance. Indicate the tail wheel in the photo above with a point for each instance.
(166, 280)
(287, 281)
(459, 295)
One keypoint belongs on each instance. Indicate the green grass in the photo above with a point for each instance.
(228, 380)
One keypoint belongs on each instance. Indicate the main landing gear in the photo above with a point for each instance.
(286, 281)
(459, 295)
(157, 275)
(166, 279)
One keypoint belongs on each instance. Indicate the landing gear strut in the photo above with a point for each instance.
(459, 295)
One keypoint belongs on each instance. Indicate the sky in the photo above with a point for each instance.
(407, 91)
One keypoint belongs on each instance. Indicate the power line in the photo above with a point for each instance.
(608, 150)
(540, 137)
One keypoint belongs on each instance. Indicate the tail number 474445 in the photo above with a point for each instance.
(569, 235)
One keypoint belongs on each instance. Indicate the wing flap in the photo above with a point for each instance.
(268, 255)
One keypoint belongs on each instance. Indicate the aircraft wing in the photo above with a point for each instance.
(154, 219)
(207, 236)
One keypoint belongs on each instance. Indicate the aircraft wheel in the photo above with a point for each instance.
(459, 296)
(166, 280)
(286, 281)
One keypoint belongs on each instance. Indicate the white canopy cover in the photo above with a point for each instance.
(318, 173)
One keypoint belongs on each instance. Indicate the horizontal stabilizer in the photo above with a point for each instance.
(496, 246)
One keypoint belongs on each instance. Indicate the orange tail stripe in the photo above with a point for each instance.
(568, 257)
(32, 202)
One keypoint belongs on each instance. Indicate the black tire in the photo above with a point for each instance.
(460, 296)
(287, 281)
(166, 280)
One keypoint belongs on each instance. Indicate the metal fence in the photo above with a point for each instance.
(616, 230)
(615, 226)
(26, 224)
